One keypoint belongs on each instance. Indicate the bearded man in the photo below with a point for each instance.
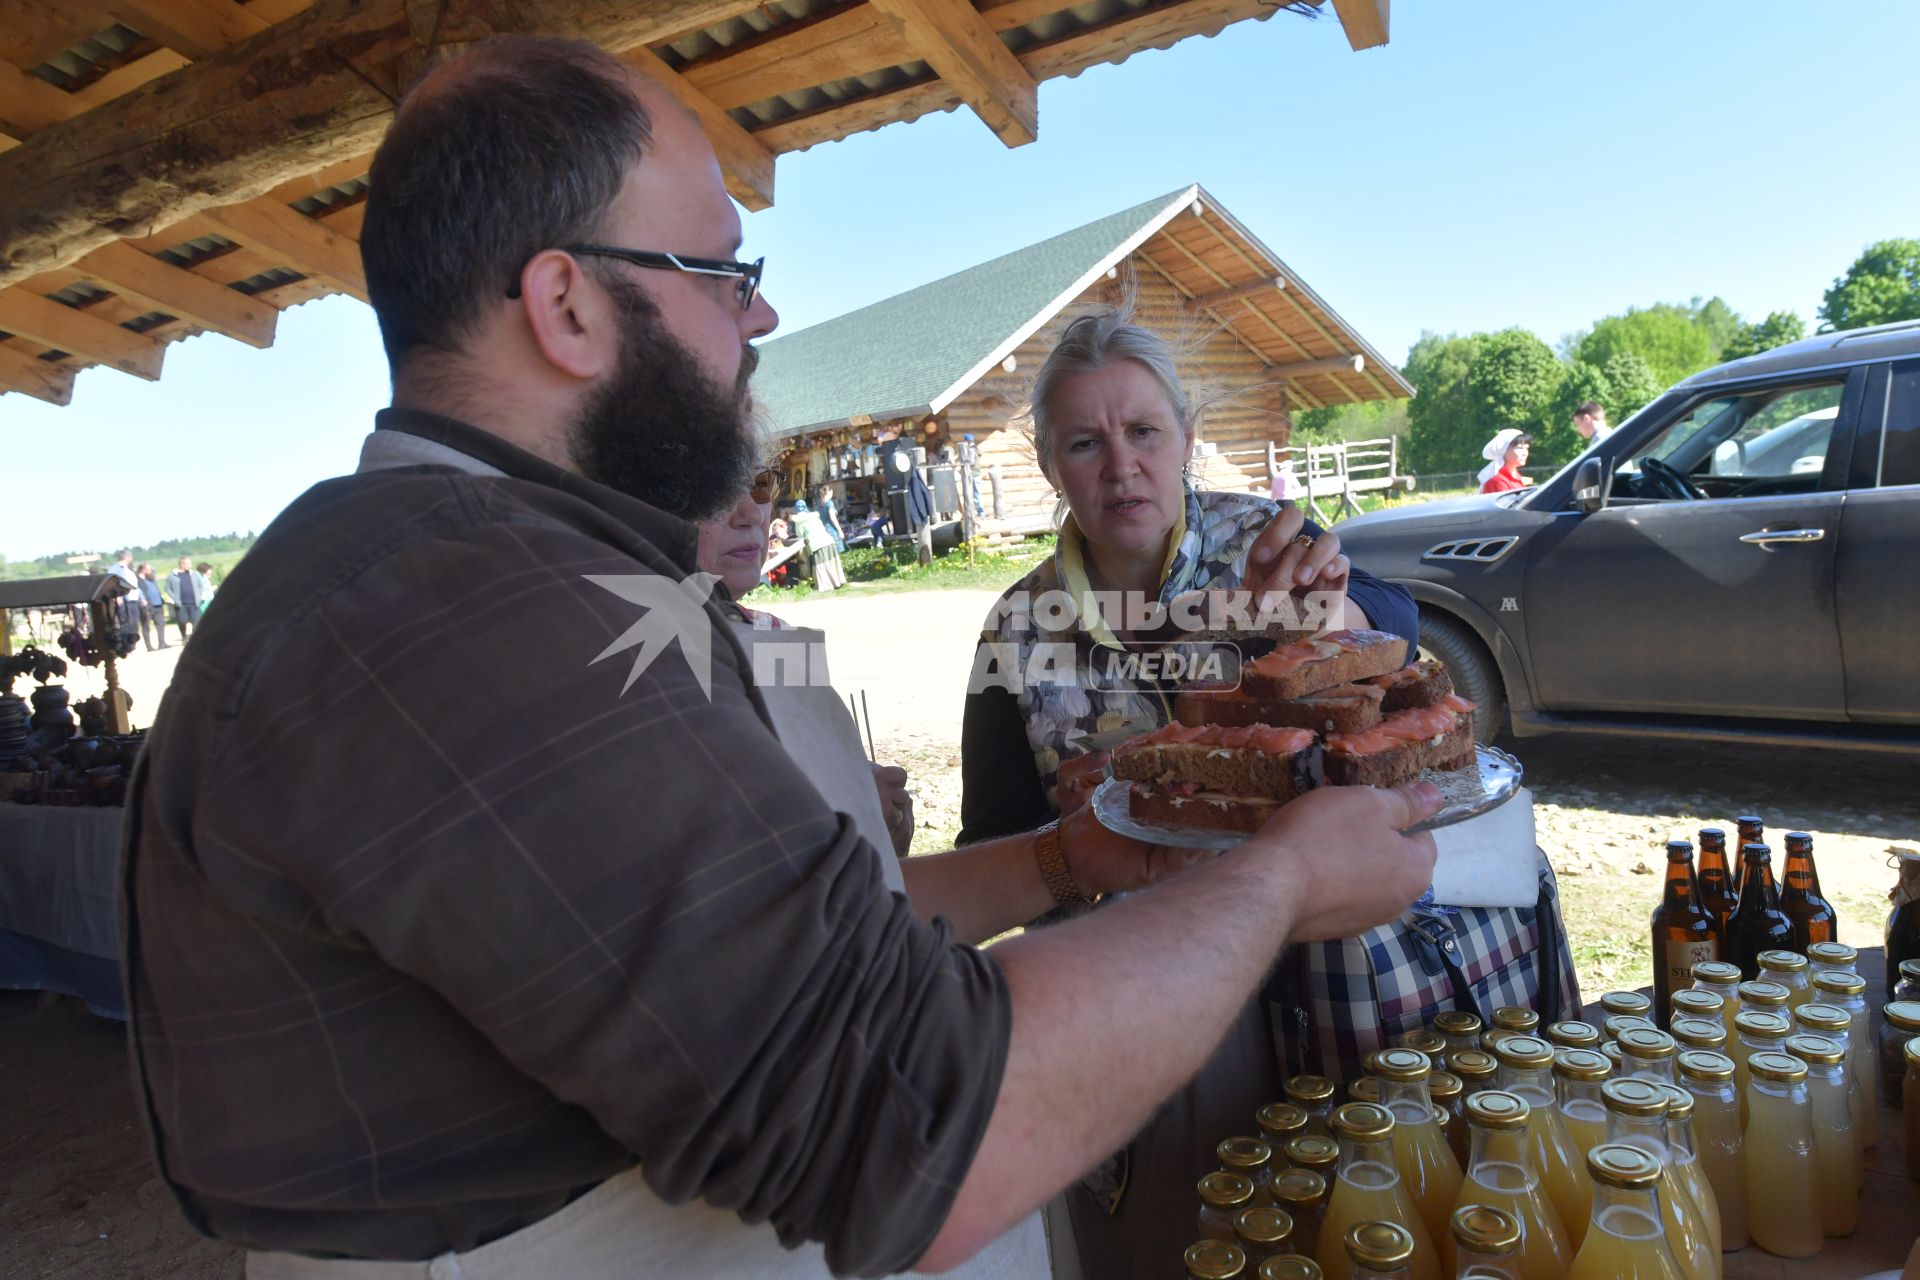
(481, 918)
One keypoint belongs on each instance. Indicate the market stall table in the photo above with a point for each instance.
(59, 929)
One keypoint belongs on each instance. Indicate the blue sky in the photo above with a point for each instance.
(1499, 163)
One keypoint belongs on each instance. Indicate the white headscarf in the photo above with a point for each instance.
(1496, 452)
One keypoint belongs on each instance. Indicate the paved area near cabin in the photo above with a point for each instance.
(78, 1196)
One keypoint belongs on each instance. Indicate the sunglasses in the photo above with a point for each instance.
(766, 487)
(747, 273)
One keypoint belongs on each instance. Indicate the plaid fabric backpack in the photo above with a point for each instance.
(1333, 1003)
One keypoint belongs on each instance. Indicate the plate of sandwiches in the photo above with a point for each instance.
(1336, 710)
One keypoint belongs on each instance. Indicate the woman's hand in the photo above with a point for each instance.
(1284, 561)
(1103, 861)
(1074, 782)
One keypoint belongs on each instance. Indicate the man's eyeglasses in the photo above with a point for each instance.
(747, 273)
(766, 487)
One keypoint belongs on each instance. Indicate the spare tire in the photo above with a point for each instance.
(1475, 677)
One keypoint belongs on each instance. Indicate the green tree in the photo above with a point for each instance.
(1373, 420)
(1513, 381)
(1669, 338)
(1442, 434)
(1631, 386)
(1720, 321)
(1882, 285)
(1778, 329)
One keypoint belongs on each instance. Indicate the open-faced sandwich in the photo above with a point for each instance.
(1230, 777)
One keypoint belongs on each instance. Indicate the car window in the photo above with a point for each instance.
(1900, 441)
(1770, 440)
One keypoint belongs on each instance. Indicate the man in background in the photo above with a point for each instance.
(183, 586)
(1590, 420)
(153, 609)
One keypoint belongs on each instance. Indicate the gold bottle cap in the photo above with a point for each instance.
(1703, 1004)
(1312, 1151)
(1822, 1017)
(1291, 1266)
(1612, 1051)
(1263, 1226)
(1647, 1044)
(1515, 1018)
(1299, 1186)
(1679, 1104)
(1834, 953)
(1629, 1003)
(1216, 1260)
(1222, 1190)
(1308, 1090)
(1426, 1042)
(1910, 969)
(1363, 1089)
(1244, 1155)
(1699, 1064)
(1472, 1065)
(1816, 1049)
(1840, 984)
(1782, 961)
(1783, 1067)
(1762, 1026)
(1587, 1065)
(1626, 1167)
(1485, 1230)
(1762, 994)
(1442, 1118)
(1457, 1022)
(1279, 1121)
(1912, 1051)
(1716, 973)
(1402, 1065)
(1497, 1109)
(1617, 1024)
(1528, 1053)
(1574, 1035)
(1635, 1097)
(1362, 1121)
(1378, 1245)
(1903, 1014)
(1699, 1033)
(1443, 1085)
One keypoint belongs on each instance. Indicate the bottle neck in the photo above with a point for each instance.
(1475, 1265)
(1368, 1273)
(1680, 1140)
(1507, 1147)
(1681, 891)
(1713, 858)
(1720, 1091)
(1649, 1133)
(1409, 1100)
(1578, 1091)
(1533, 1084)
(1631, 1214)
(1757, 889)
(1372, 1153)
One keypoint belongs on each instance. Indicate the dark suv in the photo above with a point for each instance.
(1740, 559)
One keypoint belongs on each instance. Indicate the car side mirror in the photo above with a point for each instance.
(1592, 485)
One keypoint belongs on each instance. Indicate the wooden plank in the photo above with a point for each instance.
(27, 314)
(29, 104)
(32, 31)
(25, 372)
(195, 28)
(165, 287)
(320, 179)
(963, 50)
(311, 90)
(1201, 302)
(122, 80)
(346, 220)
(908, 102)
(1365, 22)
(1313, 368)
(295, 239)
(1118, 39)
(852, 41)
(745, 162)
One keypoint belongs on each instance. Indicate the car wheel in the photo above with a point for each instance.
(1475, 678)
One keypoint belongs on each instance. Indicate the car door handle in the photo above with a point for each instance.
(1766, 537)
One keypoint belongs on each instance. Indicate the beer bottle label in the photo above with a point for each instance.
(1682, 956)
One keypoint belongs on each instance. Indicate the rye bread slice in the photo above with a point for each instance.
(1339, 657)
(1450, 750)
(1345, 708)
(1214, 812)
(1245, 771)
(1420, 685)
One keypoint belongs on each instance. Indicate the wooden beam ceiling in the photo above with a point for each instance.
(24, 371)
(26, 314)
(745, 161)
(1201, 302)
(1365, 22)
(165, 287)
(195, 28)
(954, 39)
(286, 235)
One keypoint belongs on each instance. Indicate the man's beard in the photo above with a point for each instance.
(662, 429)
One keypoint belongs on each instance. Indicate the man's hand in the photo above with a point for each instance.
(895, 805)
(1353, 869)
(1284, 561)
(1103, 861)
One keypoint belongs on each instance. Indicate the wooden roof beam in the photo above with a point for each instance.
(1312, 368)
(1365, 22)
(953, 39)
(285, 235)
(29, 104)
(28, 374)
(196, 28)
(745, 161)
(164, 287)
(54, 324)
(1218, 296)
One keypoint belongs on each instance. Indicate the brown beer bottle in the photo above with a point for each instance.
(1717, 893)
(1750, 831)
(1684, 931)
(1758, 924)
(1813, 917)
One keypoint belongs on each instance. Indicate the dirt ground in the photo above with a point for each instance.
(78, 1197)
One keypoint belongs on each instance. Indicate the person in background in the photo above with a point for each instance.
(183, 587)
(153, 608)
(204, 572)
(1506, 453)
(1590, 420)
(127, 607)
(830, 516)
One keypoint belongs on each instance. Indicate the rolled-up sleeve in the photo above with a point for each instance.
(633, 895)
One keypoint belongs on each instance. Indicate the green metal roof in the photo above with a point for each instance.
(914, 351)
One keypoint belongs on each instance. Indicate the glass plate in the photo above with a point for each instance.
(1467, 793)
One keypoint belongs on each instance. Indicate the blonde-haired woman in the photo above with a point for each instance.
(1113, 430)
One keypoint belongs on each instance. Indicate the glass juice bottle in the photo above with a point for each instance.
(1313, 1095)
(1836, 1156)
(1625, 1239)
(1573, 1035)
(1648, 1055)
(1262, 1233)
(1614, 1024)
(1718, 1143)
(1637, 1115)
(1368, 1188)
(1291, 1266)
(1577, 1077)
(1685, 1163)
(1830, 957)
(1428, 1168)
(1450, 1096)
(1692, 1002)
(1698, 1033)
(1279, 1122)
(1783, 1206)
(1430, 1043)
(1216, 1260)
(1755, 1033)
(1460, 1029)
(1516, 1020)
(1723, 980)
(1221, 1196)
(1501, 1174)
(1763, 995)
(1314, 1153)
(1834, 1023)
(1253, 1158)
(1476, 1068)
(1789, 969)
(1632, 1004)
(1849, 991)
(1526, 1069)
(1379, 1251)
(1303, 1194)
(1486, 1244)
